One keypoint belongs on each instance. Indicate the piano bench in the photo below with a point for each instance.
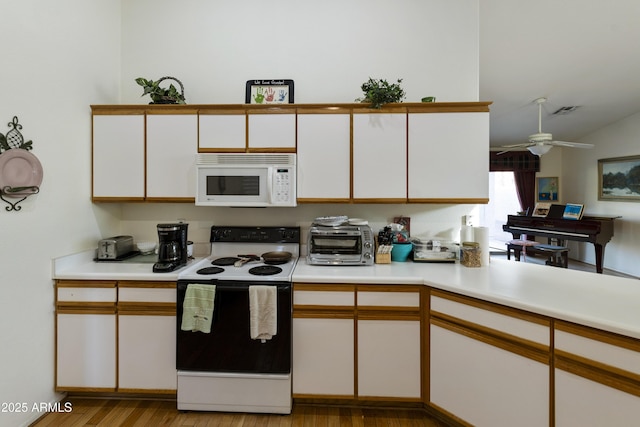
(518, 247)
(558, 256)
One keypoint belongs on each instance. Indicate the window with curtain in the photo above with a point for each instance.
(524, 166)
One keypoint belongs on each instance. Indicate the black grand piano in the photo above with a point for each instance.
(593, 229)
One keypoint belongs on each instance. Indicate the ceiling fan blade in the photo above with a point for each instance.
(513, 147)
(571, 144)
(521, 145)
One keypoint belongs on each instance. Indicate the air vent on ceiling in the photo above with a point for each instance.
(565, 110)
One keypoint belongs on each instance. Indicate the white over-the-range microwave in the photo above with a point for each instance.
(246, 179)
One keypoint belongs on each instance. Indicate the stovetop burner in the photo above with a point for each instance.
(265, 270)
(225, 261)
(210, 270)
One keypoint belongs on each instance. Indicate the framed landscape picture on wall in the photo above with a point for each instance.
(619, 179)
(547, 189)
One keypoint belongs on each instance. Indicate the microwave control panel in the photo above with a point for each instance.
(283, 185)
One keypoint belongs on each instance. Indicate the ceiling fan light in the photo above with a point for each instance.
(540, 149)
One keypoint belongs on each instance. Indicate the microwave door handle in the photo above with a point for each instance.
(269, 185)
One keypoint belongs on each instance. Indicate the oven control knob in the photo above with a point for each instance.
(367, 245)
(367, 255)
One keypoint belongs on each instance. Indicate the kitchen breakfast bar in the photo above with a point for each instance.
(505, 344)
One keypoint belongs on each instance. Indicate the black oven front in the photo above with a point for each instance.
(229, 348)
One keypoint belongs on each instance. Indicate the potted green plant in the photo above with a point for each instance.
(161, 95)
(379, 92)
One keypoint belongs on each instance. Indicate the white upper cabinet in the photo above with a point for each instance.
(272, 130)
(172, 144)
(380, 157)
(118, 156)
(224, 130)
(448, 157)
(324, 157)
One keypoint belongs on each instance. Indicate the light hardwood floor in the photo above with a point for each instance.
(155, 413)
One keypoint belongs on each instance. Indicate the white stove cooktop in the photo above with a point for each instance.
(231, 272)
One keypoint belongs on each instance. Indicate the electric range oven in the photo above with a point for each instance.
(225, 366)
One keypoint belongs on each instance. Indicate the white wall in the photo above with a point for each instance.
(60, 57)
(581, 186)
(57, 58)
(329, 48)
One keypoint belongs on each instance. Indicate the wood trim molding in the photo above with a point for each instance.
(493, 307)
(75, 307)
(382, 201)
(323, 287)
(309, 200)
(459, 201)
(146, 308)
(322, 313)
(601, 373)
(144, 391)
(146, 284)
(524, 348)
(88, 284)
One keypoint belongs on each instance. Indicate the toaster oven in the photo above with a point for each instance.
(340, 245)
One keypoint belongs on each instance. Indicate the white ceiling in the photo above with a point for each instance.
(573, 52)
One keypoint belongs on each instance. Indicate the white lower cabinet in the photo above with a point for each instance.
(597, 378)
(323, 362)
(147, 353)
(489, 366)
(365, 351)
(147, 337)
(85, 336)
(389, 359)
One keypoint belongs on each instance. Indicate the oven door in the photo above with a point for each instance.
(335, 243)
(229, 347)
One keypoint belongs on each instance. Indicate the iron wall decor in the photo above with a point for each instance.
(20, 170)
(619, 179)
(264, 91)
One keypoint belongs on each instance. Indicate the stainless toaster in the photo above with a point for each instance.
(115, 247)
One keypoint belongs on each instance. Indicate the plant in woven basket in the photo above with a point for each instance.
(160, 95)
(380, 92)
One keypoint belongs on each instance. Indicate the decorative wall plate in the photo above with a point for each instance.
(19, 168)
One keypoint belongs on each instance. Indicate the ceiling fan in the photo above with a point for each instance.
(540, 143)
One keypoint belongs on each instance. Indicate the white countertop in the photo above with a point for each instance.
(82, 266)
(605, 302)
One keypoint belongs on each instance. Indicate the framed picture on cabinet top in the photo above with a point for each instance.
(619, 179)
(264, 91)
(547, 189)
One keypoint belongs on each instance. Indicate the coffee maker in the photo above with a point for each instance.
(172, 247)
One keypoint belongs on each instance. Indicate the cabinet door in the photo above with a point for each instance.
(118, 156)
(448, 157)
(389, 359)
(489, 365)
(224, 130)
(324, 157)
(380, 157)
(273, 130)
(596, 377)
(172, 144)
(147, 353)
(323, 361)
(86, 352)
(485, 385)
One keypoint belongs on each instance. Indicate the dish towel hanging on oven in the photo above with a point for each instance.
(263, 310)
(198, 308)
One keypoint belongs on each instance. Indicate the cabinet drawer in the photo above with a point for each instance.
(324, 295)
(87, 294)
(509, 321)
(147, 295)
(389, 299)
(598, 346)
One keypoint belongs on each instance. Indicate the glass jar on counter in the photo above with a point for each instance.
(470, 254)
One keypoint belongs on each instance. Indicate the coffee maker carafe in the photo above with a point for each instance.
(172, 247)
